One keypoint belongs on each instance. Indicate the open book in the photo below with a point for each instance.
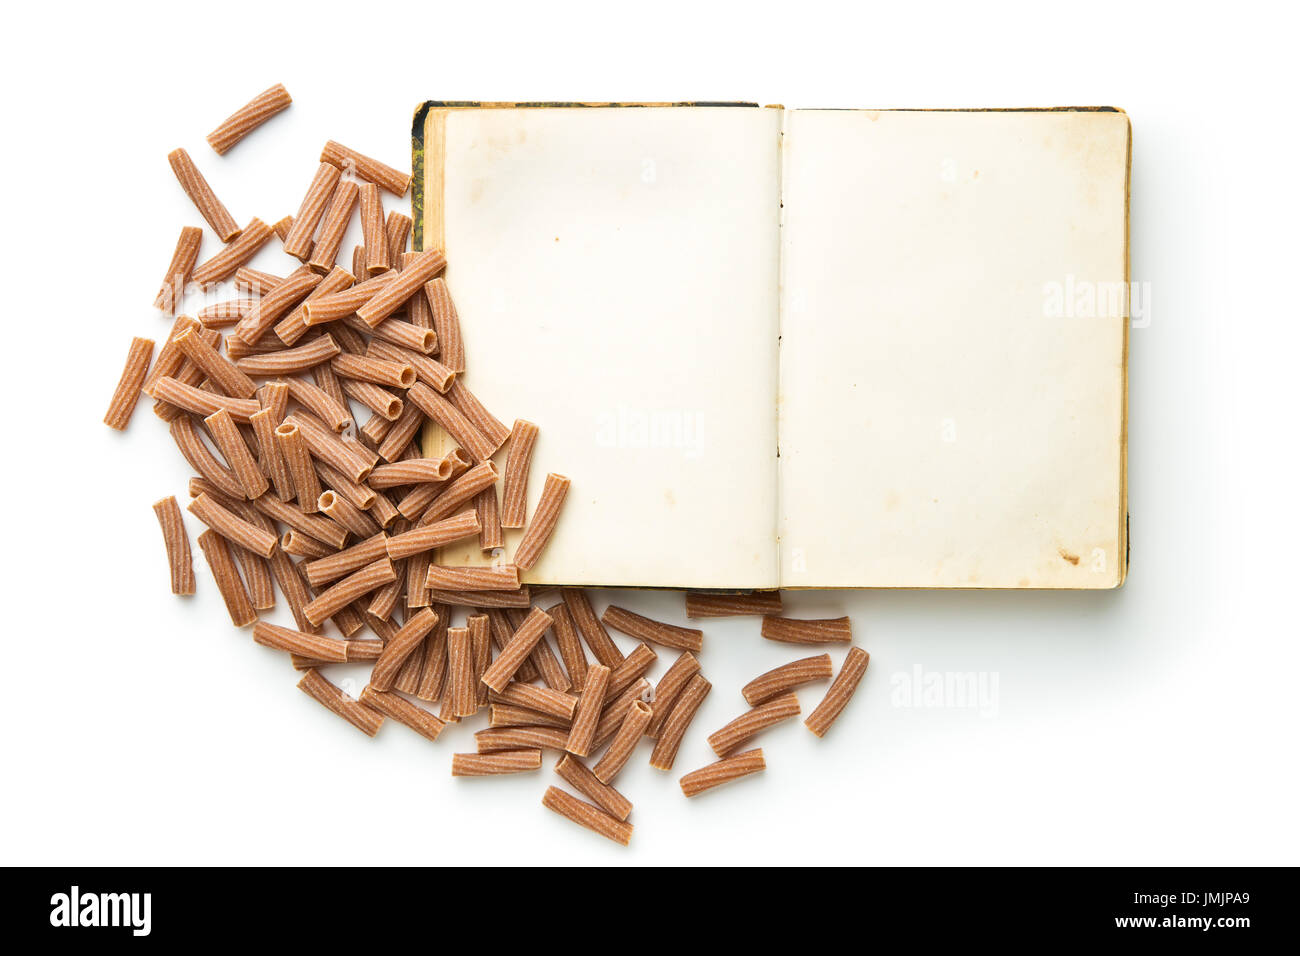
(797, 348)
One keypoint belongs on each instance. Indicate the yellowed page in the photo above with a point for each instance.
(946, 419)
(615, 271)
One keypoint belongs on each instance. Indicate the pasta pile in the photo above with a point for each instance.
(346, 518)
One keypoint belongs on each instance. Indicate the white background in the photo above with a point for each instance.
(1154, 724)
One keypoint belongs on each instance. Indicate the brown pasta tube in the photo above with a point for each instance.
(296, 543)
(314, 526)
(178, 270)
(460, 492)
(354, 586)
(841, 689)
(434, 672)
(222, 314)
(611, 718)
(521, 645)
(399, 436)
(539, 530)
(732, 605)
(570, 645)
(255, 281)
(790, 631)
(378, 400)
(326, 446)
(170, 356)
(679, 718)
(127, 393)
(487, 507)
(497, 739)
(412, 472)
(480, 642)
(393, 180)
(274, 396)
(396, 340)
(298, 242)
(781, 679)
(281, 228)
(217, 475)
(224, 264)
(589, 626)
(669, 687)
(408, 637)
(541, 699)
(324, 649)
(723, 771)
(432, 536)
(363, 496)
(232, 527)
(482, 599)
(379, 372)
(201, 402)
(587, 715)
(586, 815)
(645, 629)
(333, 413)
(403, 711)
(575, 773)
(506, 761)
(225, 434)
(292, 448)
(215, 366)
(353, 711)
(384, 601)
(452, 421)
(201, 194)
(468, 404)
(503, 627)
(290, 361)
(460, 671)
(249, 117)
(498, 578)
(508, 715)
(629, 669)
(341, 304)
(292, 586)
(405, 284)
(347, 514)
(294, 325)
(375, 429)
(548, 665)
(359, 256)
(624, 742)
(514, 501)
(397, 228)
(226, 575)
(753, 721)
(446, 323)
(333, 226)
(277, 303)
(179, 561)
(257, 579)
(373, 229)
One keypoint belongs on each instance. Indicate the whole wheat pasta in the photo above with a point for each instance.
(215, 366)
(349, 589)
(393, 180)
(281, 228)
(645, 629)
(417, 567)
(226, 575)
(497, 739)
(722, 771)
(459, 492)
(385, 512)
(584, 814)
(377, 399)
(411, 472)
(347, 514)
(587, 714)
(384, 601)
(539, 530)
(418, 312)
(237, 348)
(170, 356)
(363, 496)
(841, 690)
(669, 687)
(393, 339)
(257, 579)
(408, 676)
(508, 715)
(392, 374)
(624, 742)
(351, 341)
(324, 649)
(326, 446)
(221, 314)
(232, 527)
(407, 283)
(611, 718)
(294, 325)
(434, 672)
(570, 645)
(346, 301)
(493, 578)
(420, 540)
(790, 631)
(314, 526)
(589, 626)
(521, 645)
(254, 280)
(543, 658)
(679, 719)
(351, 619)
(415, 502)
(403, 643)
(403, 711)
(225, 434)
(276, 304)
(364, 650)
(460, 671)
(629, 669)
(480, 642)
(503, 627)
(127, 393)
(753, 721)
(178, 270)
(201, 194)
(452, 421)
(298, 242)
(179, 562)
(290, 361)
(468, 404)
(292, 449)
(490, 537)
(781, 679)
(541, 699)
(172, 363)
(200, 402)
(376, 429)
(353, 711)
(333, 226)
(514, 501)
(446, 323)
(294, 589)
(573, 772)
(359, 260)
(373, 229)
(506, 761)
(732, 605)
(274, 397)
(217, 475)
(224, 264)
(397, 228)
(482, 599)
(303, 546)
(332, 412)
(249, 117)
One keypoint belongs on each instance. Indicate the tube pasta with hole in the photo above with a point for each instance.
(349, 589)
(353, 711)
(180, 563)
(586, 815)
(249, 117)
(781, 679)
(790, 631)
(722, 771)
(745, 727)
(840, 692)
(205, 200)
(392, 180)
(226, 576)
(679, 719)
(178, 270)
(656, 632)
(514, 493)
(506, 761)
(225, 263)
(127, 394)
(540, 529)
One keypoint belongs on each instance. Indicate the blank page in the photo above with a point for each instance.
(615, 271)
(946, 421)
